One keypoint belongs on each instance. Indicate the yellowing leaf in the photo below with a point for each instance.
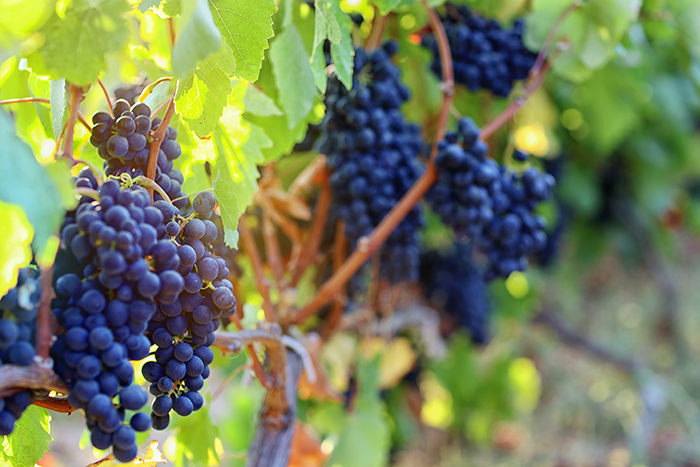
(339, 355)
(397, 358)
(148, 457)
(16, 235)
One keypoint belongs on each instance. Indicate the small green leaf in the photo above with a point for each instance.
(258, 103)
(198, 38)
(386, 6)
(76, 43)
(29, 440)
(201, 98)
(144, 5)
(59, 104)
(171, 7)
(293, 76)
(246, 27)
(241, 165)
(23, 181)
(333, 24)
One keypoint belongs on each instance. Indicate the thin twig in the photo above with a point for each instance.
(109, 100)
(20, 100)
(76, 96)
(272, 250)
(171, 29)
(255, 362)
(215, 395)
(81, 119)
(547, 45)
(261, 282)
(505, 116)
(313, 242)
(158, 137)
(340, 251)
(43, 319)
(571, 337)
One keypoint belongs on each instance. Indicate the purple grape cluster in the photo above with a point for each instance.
(105, 310)
(485, 201)
(484, 55)
(374, 154)
(183, 330)
(18, 309)
(455, 283)
(124, 142)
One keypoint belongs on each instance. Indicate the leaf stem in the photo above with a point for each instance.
(20, 100)
(377, 32)
(158, 137)
(76, 96)
(551, 35)
(109, 101)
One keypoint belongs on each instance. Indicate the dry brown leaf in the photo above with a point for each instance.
(321, 389)
(306, 448)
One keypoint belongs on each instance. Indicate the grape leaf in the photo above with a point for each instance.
(144, 5)
(256, 142)
(364, 441)
(171, 7)
(234, 198)
(246, 26)
(23, 181)
(196, 437)
(76, 42)
(59, 104)
(293, 76)
(198, 37)
(333, 24)
(386, 6)
(201, 98)
(15, 240)
(29, 440)
(258, 103)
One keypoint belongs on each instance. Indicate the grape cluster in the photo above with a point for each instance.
(484, 55)
(487, 202)
(17, 341)
(124, 142)
(183, 330)
(106, 309)
(455, 283)
(130, 93)
(373, 153)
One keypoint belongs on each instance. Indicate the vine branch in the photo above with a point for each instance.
(261, 282)
(21, 100)
(35, 376)
(109, 101)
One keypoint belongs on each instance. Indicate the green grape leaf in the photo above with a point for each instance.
(293, 76)
(386, 6)
(76, 42)
(318, 68)
(29, 440)
(333, 24)
(258, 103)
(365, 439)
(24, 182)
(256, 142)
(246, 26)
(239, 164)
(201, 98)
(15, 244)
(198, 37)
(171, 8)
(59, 171)
(144, 5)
(196, 437)
(59, 104)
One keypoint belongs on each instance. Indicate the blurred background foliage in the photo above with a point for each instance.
(592, 360)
